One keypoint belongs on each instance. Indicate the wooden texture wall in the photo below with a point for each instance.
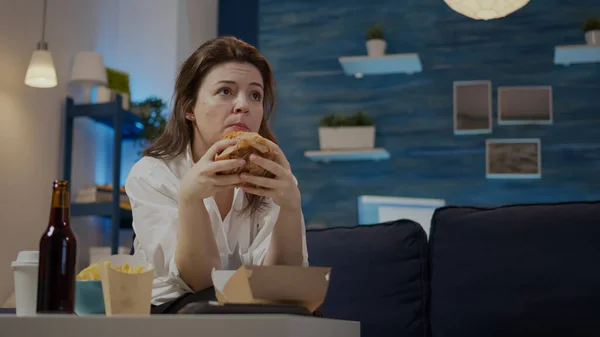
(304, 38)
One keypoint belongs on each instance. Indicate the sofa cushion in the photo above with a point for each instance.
(378, 276)
(518, 270)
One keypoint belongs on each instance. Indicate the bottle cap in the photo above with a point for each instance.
(27, 257)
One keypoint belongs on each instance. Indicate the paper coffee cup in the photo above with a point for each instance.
(25, 269)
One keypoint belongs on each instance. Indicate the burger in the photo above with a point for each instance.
(248, 143)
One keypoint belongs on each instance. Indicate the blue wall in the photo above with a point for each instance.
(413, 114)
(239, 18)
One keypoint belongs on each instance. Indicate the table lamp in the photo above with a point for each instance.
(88, 70)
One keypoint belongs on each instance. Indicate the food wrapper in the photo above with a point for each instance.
(127, 285)
(295, 285)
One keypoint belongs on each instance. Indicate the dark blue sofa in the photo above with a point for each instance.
(517, 270)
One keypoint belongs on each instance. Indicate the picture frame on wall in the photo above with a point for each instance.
(522, 105)
(513, 158)
(472, 107)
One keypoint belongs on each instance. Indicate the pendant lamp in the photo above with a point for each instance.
(41, 72)
(486, 9)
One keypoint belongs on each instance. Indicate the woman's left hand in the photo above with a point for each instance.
(282, 189)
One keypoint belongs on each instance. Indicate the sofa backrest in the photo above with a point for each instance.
(519, 270)
(378, 276)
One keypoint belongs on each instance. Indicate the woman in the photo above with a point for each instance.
(189, 220)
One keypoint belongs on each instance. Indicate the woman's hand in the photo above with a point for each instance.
(202, 181)
(282, 189)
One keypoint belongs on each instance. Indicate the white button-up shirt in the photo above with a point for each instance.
(153, 190)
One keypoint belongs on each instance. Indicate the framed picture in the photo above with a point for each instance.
(513, 159)
(472, 107)
(525, 105)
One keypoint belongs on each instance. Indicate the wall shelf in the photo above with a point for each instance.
(329, 156)
(126, 125)
(575, 54)
(104, 113)
(358, 66)
(95, 209)
(102, 209)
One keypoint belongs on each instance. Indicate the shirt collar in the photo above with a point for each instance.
(189, 159)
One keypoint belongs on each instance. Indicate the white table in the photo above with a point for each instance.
(177, 325)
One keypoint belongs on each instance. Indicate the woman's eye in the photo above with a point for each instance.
(257, 96)
(225, 91)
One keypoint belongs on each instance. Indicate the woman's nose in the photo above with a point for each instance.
(241, 106)
(241, 109)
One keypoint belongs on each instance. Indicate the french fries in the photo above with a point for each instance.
(125, 268)
(92, 272)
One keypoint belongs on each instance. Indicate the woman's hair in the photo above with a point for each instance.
(179, 131)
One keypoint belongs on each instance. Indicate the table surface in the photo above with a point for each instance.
(179, 325)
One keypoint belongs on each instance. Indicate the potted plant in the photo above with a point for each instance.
(376, 44)
(118, 83)
(150, 111)
(591, 29)
(340, 132)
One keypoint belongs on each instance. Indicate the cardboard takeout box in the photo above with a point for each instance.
(304, 286)
(127, 293)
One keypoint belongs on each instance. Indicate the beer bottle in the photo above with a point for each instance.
(58, 253)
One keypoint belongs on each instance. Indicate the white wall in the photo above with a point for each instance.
(146, 38)
(197, 23)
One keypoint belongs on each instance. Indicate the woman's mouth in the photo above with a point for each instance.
(239, 127)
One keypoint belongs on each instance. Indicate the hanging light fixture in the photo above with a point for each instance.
(486, 9)
(41, 72)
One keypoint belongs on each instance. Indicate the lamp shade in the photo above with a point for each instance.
(41, 72)
(486, 9)
(88, 67)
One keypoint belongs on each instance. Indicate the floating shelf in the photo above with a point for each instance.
(358, 66)
(567, 55)
(328, 156)
(105, 113)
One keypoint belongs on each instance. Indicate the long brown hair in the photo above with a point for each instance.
(179, 131)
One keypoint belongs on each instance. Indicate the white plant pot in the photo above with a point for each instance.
(376, 48)
(346, 138)
(103, 94)
(593, 37)
(125, 101)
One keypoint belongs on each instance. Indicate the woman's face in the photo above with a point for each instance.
(230, 99)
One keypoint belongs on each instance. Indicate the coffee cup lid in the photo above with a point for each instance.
(27, 257)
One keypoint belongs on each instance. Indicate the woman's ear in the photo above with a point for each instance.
(190, 116)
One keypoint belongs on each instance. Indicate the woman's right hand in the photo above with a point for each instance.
(202, 181)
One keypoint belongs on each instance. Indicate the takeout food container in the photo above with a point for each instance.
(304, 286)
(88, 298)
(127, 291)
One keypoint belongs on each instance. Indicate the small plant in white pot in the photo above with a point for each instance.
(339, 132)
(592, 31)
(376, 44)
